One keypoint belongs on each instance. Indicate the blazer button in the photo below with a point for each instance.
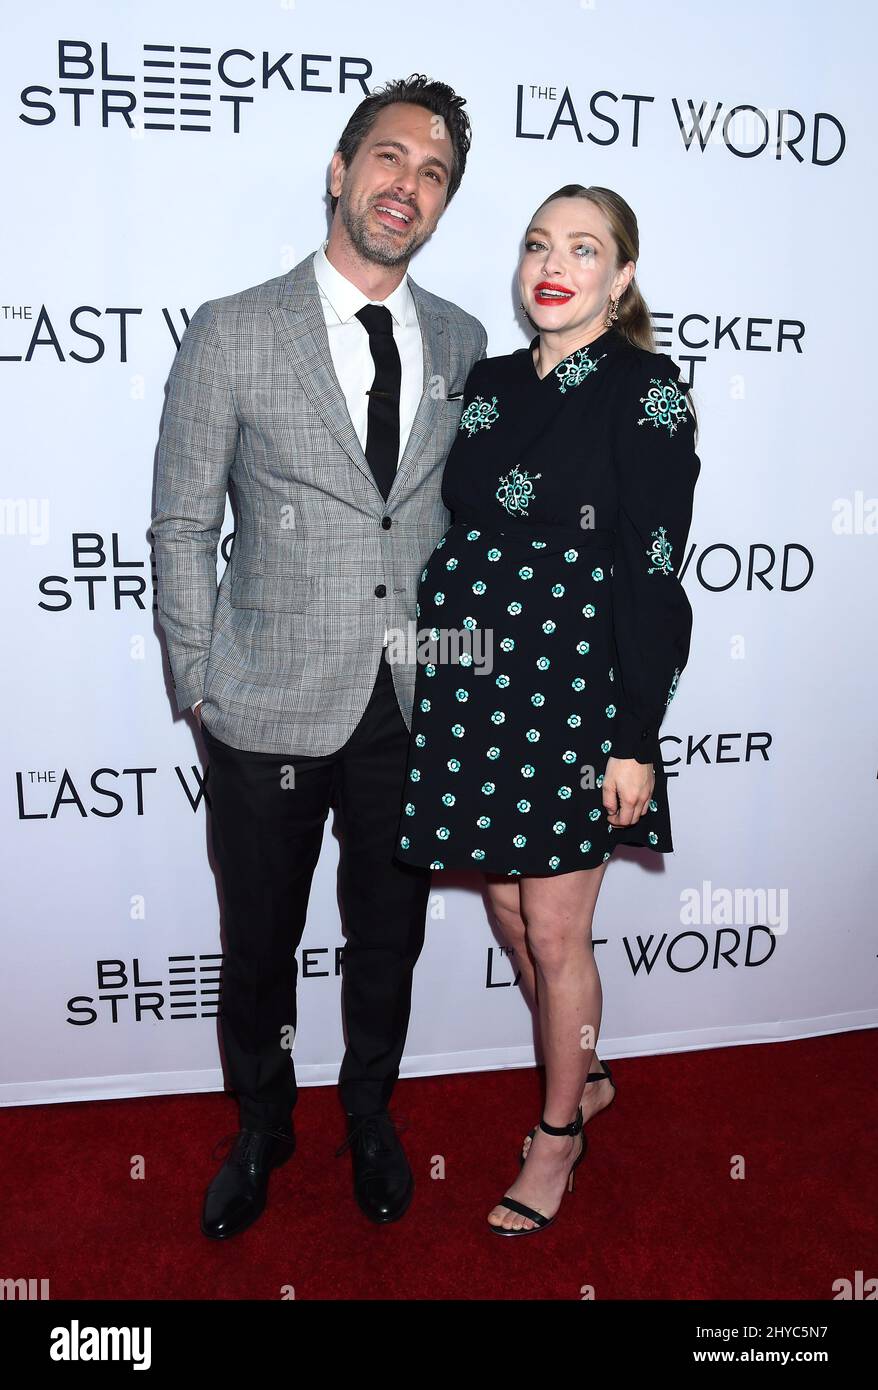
(644, 733)
(386, 523)
(380, 590)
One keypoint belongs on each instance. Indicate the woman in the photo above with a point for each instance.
(571, 483)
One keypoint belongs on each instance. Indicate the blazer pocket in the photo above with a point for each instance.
(273, 593)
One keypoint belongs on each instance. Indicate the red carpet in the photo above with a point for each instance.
(655, 1213)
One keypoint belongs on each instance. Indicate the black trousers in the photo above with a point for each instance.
(267, 837)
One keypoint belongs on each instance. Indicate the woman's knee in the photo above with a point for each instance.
(555, 941)
(510, 922)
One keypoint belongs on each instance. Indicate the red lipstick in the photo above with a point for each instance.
(543, 293)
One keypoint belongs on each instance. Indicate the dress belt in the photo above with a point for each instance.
(579, 536)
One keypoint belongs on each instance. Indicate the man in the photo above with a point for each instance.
(324, 401)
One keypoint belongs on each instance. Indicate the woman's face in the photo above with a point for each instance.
(567, 273)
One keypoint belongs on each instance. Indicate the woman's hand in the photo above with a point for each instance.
(627, 788)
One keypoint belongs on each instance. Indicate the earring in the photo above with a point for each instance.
(614, 313)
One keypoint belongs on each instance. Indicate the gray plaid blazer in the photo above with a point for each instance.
(285, 650)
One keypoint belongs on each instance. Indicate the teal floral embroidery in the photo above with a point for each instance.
(673, 690)
(479, 415)
(575, 368)
(516, 490)
(664, 404)
(660, 553)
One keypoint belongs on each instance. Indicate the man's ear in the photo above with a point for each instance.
(336, 174)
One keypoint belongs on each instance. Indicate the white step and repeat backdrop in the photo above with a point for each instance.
(743, 138)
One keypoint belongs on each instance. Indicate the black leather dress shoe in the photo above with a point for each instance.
(237, 1195)
(383, 1182)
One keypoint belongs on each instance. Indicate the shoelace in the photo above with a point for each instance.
(370, 1127)
(248, 1142)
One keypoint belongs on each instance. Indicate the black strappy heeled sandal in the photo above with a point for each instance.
(607, 1075)
(541, 1223)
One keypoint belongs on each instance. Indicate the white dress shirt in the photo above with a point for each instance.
(351, 356)
(349, 345)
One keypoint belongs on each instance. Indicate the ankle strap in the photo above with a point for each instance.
(571, 1129)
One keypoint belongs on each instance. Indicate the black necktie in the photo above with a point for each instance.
(382, 434)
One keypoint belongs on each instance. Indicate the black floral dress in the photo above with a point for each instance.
(552, 626)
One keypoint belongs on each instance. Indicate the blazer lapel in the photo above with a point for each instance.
(301, 328)
(434, 336)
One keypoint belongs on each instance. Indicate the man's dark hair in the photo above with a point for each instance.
(437, 97)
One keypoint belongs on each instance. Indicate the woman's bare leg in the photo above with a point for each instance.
(505, 897)
(557, 913)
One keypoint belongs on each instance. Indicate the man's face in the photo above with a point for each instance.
(393, 194)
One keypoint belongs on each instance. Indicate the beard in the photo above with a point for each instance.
(372, 246)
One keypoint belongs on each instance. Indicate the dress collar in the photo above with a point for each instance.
(593, 351)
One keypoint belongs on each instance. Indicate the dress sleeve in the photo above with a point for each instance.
(656, 471)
